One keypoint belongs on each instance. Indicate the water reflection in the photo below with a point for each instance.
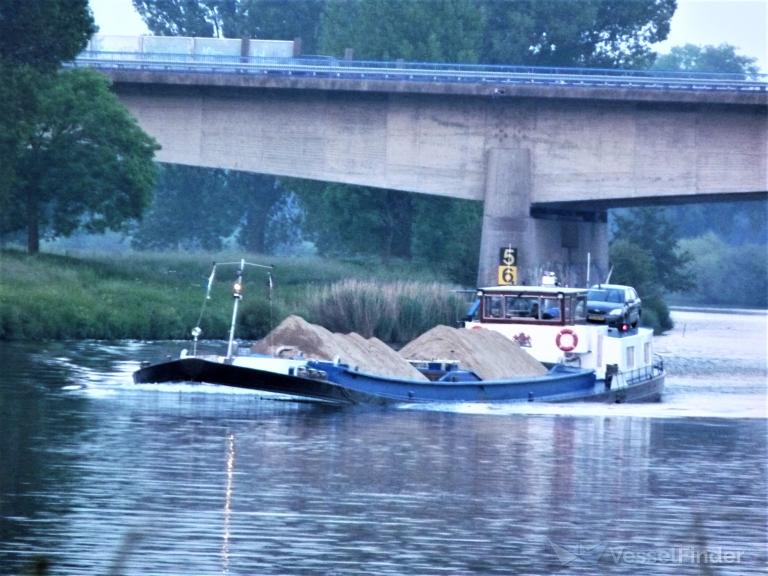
(228, 505)
(192, 480)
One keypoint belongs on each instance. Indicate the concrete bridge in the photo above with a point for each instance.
(547, 158)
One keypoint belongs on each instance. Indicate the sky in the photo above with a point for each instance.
(741, 23)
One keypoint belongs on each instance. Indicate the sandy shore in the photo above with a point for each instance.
(732, 335)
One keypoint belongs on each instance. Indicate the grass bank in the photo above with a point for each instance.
(159, 296)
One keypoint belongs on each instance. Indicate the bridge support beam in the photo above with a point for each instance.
(557, 241)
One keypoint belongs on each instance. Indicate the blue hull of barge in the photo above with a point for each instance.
(338, 384)
(560, 383)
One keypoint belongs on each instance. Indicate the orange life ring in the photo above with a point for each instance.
(574, 340)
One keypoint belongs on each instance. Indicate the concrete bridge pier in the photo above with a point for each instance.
(546, 240)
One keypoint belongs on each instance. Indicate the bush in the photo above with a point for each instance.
(656, 315)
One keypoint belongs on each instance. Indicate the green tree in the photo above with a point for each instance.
(692, 58)
(651, 230)
(86, 163)
(431, 30)
(635, 266)
(260, 194)
(611, 33)
(204, 19)
(187, 211)
(349, 221)
(18, 94)
(269, 19)
(200, 208)
(727, 275)
(278, 20)
(43, 33)
(35, 37)
(446, 236)
(737, 223)
(601, 33)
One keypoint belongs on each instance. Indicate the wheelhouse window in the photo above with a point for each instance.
(493, 307)
(523, 307)
(576, 309)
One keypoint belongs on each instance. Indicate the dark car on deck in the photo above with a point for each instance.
(614, 304)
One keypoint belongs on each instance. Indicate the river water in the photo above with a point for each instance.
(100, 476)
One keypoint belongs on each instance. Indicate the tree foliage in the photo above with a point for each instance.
(605, 33)
(737, 223)
(18, 94)
(72, 157)
(35, 37)
(199, 208)
(270, 19)
(86, 163)
(43, 33)
(634, 266)
(278, 20)
(430, 30)
(258, 195)
(727, 275)
(203, 19)
(446, 236)
(650, 230)
(347, 220)
(692, 58)
(613, 33)
(602, 33)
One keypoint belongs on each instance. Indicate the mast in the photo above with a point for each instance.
(237, 294)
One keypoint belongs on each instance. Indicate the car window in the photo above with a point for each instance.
(597, 295)
(615, 296)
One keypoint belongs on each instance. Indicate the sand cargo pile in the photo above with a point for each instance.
(490, 355)
(295, 336)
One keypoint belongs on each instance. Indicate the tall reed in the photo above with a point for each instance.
(394, 312)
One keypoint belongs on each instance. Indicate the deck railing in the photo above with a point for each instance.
(401, 71)
(645, 372)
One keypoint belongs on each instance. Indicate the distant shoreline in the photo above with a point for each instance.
(720, 310)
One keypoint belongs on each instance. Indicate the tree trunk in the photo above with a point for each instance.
(33, 223)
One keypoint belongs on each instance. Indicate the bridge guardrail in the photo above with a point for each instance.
(329, 67)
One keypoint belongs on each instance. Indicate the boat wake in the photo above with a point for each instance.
(689, 400)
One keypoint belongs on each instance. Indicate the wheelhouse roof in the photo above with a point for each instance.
(543, 290)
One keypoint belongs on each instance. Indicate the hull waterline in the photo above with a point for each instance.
(337, 384)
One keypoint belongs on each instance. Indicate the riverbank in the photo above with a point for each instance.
(159, 296)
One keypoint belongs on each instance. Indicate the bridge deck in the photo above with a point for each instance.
(323, 73)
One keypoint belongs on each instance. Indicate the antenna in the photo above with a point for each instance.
(589, 265)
